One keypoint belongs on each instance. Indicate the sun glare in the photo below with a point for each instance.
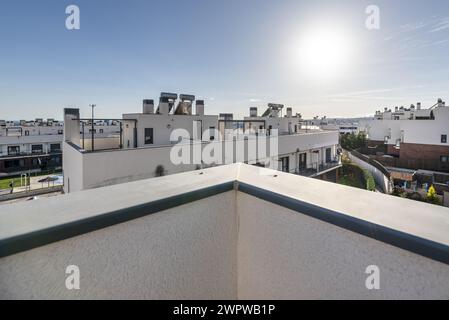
(324, 52)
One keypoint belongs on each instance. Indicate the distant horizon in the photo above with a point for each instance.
(87, 113)
(321, 58)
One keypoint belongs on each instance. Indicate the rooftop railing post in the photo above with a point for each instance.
(121, 136)
(93, 126)
(82, 125)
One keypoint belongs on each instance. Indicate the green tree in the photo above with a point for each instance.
(353, 141)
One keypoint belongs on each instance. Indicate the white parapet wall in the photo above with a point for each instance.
(103, 143)
(286, 255)
(87, 170)
(230, 232)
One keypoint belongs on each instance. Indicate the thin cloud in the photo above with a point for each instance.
(376, 94)
(442, 24)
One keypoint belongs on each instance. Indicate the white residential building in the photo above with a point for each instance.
(416, 136)
(33, 146)
(342, 125)
(145, 147)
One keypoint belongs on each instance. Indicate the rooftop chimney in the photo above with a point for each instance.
(148, 106)
(199, 107)
(418, 106)
(289, 112)
(253, 112)
(440, 103)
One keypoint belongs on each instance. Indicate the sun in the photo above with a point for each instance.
(324, 52)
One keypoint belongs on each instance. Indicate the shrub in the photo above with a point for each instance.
(370, 182)
(160, 171)
(415, 196)
(432, 196)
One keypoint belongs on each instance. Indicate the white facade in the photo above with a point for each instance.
(342, 125)
(33, 146)
(37, 137)
(415, 126)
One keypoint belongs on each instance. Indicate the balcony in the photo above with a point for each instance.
(229, 232)
(318, 169)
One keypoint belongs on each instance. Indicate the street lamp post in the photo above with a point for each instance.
(93, 127)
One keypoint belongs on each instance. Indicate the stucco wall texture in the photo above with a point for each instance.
(188, 252)
(286, 255)
(229, 246)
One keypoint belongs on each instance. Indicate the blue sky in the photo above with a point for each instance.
(234, 54)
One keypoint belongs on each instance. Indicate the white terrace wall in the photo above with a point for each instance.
(118, 166)
(72, 162)
(228, 246)
(104, 168)
(231, 245)
(283, 254)
(188, 252)
(101, 143)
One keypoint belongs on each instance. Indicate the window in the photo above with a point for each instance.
(444, 138)
(14, 164)
(60, 131)
(149, 136)
(13, 150)
(55, 147)
(303, 161)
(37, 148)
(27, 133)
(94, 131)
(328, 155)
(211, 133)
(56, 159)
(101, 130)
(285, 164)
(444, 159)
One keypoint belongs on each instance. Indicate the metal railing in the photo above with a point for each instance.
(29, 153)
